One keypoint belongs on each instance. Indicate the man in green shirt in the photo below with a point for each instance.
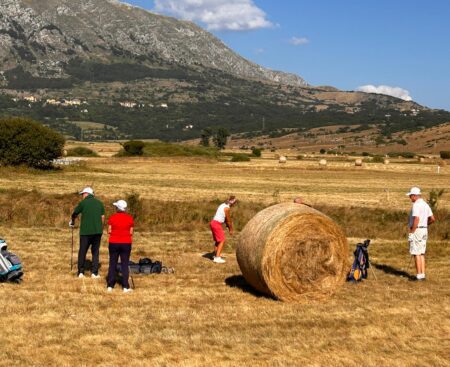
(91, 229)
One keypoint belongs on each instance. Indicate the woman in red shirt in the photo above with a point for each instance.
(120, 230)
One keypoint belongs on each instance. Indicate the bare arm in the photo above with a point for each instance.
(431, 220)
(228, 221)
(109, 229)
(131, 230)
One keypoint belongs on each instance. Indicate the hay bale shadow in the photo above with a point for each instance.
(238, 281)
(388, 269)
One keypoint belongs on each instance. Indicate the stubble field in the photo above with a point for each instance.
(205, 314)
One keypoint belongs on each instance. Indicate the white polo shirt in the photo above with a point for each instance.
(220, 214)
(422, 210)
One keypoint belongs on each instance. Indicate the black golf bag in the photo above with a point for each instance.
(361, 262)
(10, 265)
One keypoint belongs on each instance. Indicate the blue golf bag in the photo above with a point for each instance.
(10, 265)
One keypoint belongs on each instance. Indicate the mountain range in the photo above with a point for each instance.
(113, 55)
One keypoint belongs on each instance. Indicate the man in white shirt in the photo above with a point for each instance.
(420, 218)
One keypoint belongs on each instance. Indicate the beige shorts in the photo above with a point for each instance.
(418, 241)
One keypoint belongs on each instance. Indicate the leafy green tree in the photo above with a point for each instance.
(256, 152)
(206, 136)
(134, 147)
(445, 154)
(27, 142)
(221, 137)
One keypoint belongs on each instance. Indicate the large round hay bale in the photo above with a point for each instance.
(358, 162)
(292, 252)
(323, 162)
(282, 159)
(421, 160)
(386, 161)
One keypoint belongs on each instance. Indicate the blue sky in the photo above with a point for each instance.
(403, 44)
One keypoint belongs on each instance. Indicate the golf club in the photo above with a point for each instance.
(131, 277)
(71, 255)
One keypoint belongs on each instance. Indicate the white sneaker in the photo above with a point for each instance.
(109, 289)
(81, 275)
(95, 276)
(218, 260)
(127, 290)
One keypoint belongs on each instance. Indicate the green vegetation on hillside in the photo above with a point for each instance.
(162, 149)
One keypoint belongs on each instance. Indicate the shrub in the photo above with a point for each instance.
(435, 196)
(134, 202)
(408, 155)
(134, 147)
(160, 149)
(26, 142)
(322, 151)
(240, 158)
(256, 152)
(81, 152)
(300, 157)
(365, 154)
(445, 154)
(378, 159)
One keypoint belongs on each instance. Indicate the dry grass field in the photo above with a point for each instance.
(205, 314)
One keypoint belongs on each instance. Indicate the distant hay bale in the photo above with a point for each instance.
(282, 159)
(323, 162)
(292, 252)
(386, 161)
(421, 160)
(358, 162)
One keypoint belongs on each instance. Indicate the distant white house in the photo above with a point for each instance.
(164, 105)
(52, 101)
(72, 102)
(32, 99)
(128, 104)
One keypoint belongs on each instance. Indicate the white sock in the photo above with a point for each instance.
(420, 276)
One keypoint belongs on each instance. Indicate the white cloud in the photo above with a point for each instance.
(259, 51)
(385, 89)
(230, 15)
(298, 41)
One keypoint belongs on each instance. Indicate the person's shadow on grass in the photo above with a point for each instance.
(388, 269)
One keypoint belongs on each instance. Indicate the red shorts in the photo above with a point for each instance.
(217, 231)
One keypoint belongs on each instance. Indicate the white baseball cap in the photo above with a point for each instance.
(87, 190)
(121, 205)
(414, 191)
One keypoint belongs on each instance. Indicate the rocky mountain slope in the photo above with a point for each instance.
(143, 75)
(43, 36)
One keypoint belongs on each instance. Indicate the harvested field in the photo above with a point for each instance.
(206, 314)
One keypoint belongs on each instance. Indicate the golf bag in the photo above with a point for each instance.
(361, 262)
(145, 266)
(10, 265)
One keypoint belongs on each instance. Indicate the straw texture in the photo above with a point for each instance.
(293, 252)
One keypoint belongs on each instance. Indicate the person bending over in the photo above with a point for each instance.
(222, 216)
